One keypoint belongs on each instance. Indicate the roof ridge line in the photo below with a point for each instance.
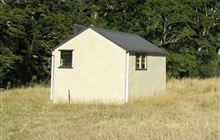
(113, 30)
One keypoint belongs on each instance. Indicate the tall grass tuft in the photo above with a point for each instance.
(189, 109)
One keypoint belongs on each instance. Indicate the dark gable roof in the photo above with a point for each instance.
(79, 29)
(127, 41)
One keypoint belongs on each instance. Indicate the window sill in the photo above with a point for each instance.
(140, 69)
(63, 67)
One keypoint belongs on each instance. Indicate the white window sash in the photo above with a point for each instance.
(140, 62)
(145, 62)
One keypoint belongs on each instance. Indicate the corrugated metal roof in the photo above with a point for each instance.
(128, 41)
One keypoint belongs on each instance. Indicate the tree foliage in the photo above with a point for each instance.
(189, 32)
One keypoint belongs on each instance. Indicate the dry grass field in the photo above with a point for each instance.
(188, 110)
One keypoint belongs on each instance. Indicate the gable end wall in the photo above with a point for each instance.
(98, 73)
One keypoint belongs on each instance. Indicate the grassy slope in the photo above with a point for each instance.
(189, 110)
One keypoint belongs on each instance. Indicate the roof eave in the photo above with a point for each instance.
(68, 39)
(148, 52)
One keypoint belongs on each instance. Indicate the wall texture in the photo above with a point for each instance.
(146, 82)
(98, 73)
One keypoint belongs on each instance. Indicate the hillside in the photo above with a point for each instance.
(188, 110)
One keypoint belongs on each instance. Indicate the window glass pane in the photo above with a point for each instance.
(66, 59)
(143, 62)
(137, 62)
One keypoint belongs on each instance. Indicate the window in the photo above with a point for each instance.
(141, 62)
(66, 58)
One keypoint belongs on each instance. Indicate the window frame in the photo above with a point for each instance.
(141, 61)
(66, 67)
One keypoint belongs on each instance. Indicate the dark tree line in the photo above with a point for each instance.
(188, 30)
